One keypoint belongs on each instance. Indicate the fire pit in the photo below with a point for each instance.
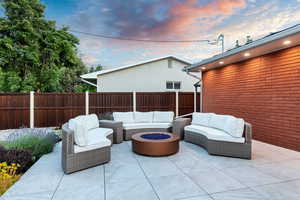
(155, 144)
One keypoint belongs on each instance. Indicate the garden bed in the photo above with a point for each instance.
(20, 150)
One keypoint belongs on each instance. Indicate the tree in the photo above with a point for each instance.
(34, 53)
(87, 87)
(95, 69)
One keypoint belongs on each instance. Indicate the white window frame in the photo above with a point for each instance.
(169, 82)
(174, 82)
(173, 85)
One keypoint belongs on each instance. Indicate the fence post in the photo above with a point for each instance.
(134, 101)
(31, 109)
(87, 103)
(177, 103)
(195, 101)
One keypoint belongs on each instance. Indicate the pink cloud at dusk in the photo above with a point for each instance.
(184, 15)
(172, 20)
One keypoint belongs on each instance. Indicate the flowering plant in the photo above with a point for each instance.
(8, 175)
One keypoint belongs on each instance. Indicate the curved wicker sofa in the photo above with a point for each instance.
(136, 122)
(223, 148)
(72, 161)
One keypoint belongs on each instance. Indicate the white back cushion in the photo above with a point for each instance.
(163, 116)
(80, 131)
(146, 117)
(217, 121)
(91, 121)
(234, 126)
(125, 117)
(201, 118)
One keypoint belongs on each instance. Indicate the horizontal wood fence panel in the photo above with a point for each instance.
(14, 110)
(155, 101)
(186, 102)
(110, 102)
(54, 109)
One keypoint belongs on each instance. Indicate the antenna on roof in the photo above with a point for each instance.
(221, 38)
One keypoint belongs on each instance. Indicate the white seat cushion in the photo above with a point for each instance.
(125, 117)
(201, 118)
(96, 139)
(94, 133)
(163, 116)
(213, 134)
(146, 125)
(144, 117)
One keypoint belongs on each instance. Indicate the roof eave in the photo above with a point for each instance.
(263, 41)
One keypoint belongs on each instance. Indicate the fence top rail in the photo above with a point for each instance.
(99, 93)
(13, 94)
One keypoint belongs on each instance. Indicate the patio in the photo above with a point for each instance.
(191, 174)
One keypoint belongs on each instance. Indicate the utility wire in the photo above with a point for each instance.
(137, 40)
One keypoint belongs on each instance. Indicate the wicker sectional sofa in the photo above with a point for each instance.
(126, 124)
(220, 134)
(91, 150)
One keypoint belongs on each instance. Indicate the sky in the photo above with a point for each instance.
(167, 20)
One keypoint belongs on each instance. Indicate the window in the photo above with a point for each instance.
(177, 85)
(169, 85)
(169, 63)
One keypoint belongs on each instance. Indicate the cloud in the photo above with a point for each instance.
(183, 16)
(172, 20)
(153, 18)
(89, 60)
(271, 18)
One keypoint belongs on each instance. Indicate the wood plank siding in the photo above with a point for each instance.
(265, 91)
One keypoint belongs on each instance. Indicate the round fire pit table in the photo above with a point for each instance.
(155, 144)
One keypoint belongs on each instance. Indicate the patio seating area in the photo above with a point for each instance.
(191, 174)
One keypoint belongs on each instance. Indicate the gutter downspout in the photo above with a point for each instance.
(200, 81)
(90, 83)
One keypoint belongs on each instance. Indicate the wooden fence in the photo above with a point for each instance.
(54, 109)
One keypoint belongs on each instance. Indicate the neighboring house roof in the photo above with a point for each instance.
(268, 44)
(94, 75)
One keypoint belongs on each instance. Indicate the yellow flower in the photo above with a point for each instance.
(8, 175)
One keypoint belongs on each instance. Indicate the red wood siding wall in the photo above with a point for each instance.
(265, 91)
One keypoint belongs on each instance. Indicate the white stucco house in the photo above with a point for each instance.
(157, 75)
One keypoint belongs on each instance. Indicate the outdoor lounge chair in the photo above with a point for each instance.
(96, 149)
(222, 135)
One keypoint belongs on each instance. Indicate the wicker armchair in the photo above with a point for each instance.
(72, 161)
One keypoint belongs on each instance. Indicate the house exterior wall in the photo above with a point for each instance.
(265, 91)
(149, 77)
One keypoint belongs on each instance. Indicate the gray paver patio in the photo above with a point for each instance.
(191, 174)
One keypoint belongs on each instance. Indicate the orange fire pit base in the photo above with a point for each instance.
(155, 144)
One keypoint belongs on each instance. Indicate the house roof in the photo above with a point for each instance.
(268, 44)
(94, 75)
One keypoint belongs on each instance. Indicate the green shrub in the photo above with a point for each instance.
(36, 144)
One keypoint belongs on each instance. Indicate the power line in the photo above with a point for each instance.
(137, 40)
